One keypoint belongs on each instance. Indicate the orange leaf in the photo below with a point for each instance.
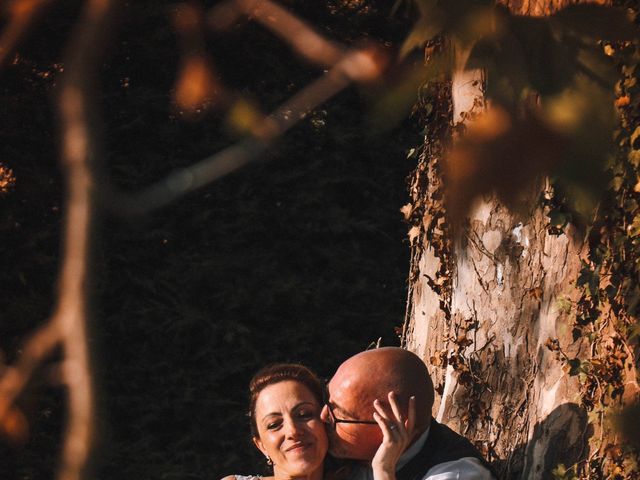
(15, 427)
(623, 101)
(197, 86)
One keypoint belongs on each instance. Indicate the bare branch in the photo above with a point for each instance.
(67, 327)
(357, 65)
(300, 36)
(34, 352)
(23, 14)
(78, 156)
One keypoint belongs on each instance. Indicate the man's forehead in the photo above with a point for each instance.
(344, 396)
(341, 380)
(349, 390)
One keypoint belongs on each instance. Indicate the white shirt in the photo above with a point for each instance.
(466, 468)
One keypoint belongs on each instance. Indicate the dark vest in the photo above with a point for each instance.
(442, 445)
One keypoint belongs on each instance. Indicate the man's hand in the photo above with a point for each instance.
(397, 434)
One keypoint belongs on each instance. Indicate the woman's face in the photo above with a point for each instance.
(290, 431)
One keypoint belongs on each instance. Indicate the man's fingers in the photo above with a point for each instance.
(411, 415)
(384, 426)
(393, 401)
(381, 409)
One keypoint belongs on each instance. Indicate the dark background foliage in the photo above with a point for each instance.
(298, 257)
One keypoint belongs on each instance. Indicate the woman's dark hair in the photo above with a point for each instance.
(280, 372)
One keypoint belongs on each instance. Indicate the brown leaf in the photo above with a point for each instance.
(15, 427)
(406, 211)
(196, 87)
(552, 344)
(623, 101)
(7, 179)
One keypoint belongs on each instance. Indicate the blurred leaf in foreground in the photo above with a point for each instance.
(628, 424)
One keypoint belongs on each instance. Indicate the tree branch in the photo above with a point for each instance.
(355, 66)
(78, 157)
(23, 15)
(303, 39)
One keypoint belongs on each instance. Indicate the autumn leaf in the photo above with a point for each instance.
(7, 179)
(14, 426)
(196, 87)
(623, 101)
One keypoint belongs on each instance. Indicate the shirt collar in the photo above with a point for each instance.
(413, 450)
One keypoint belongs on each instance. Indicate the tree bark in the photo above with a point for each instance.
(484, 301)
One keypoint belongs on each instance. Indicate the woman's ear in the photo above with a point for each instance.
(258, 443)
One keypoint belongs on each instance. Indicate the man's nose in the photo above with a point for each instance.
(325, 416)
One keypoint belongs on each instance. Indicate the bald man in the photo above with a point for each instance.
(435, 453)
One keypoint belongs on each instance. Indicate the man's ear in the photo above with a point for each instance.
(258, 443)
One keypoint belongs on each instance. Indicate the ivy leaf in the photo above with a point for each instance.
(634, 229)
(635, 139)
(574, 366)
(585, 275)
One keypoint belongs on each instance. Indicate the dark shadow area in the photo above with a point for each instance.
(299, 257)
(561, 438)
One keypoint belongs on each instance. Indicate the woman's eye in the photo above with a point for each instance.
(305, 414)
(273, 425)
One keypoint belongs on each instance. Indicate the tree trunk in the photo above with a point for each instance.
(490, 311)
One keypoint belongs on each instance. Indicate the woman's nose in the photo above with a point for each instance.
(293, 428)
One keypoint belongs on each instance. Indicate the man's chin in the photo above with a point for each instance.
(339, 451)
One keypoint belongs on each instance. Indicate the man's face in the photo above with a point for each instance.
(350, 399)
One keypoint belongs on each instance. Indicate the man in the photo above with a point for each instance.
(435, 451)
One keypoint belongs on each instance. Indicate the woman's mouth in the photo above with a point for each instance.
(298, 447)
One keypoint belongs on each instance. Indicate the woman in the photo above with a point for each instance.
(285, 401)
